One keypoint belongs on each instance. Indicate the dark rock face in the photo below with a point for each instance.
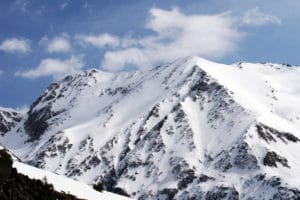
(270, 134)
(221, 192)
(109, 180)
(245, 160)
(5, 165)
(187, 177)
(41, 110)
(36, 123)
(192, 196)
(167, 193)
(120, 191)
(287, 193)
(204, 178)
(242, 159)
(281, 190)
(8, 120)
(271, 159)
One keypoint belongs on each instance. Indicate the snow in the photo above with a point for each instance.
(7, 109)
(106, 114)
(263, 88)
(61, 183)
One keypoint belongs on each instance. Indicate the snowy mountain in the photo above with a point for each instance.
(191, 129)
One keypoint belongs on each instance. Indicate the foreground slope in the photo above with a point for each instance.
(189, 129)
(61, 183)
(21, 181)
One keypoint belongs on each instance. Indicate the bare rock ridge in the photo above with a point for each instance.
(8, 119)
(191, 129)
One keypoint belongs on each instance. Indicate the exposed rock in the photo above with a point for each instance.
(5, 164)
(186, 177)
(268, 134)
(222, 192)
(167, 194)
(285, 193)
(8, 120)
(178, 131)
(238, 156)
(271, 159)
(204, 178)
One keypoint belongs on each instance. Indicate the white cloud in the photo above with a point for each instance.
(60, 44)
(14, 45)
(255, 17)
(56, 68)
(100, 41)
(115, 60)
(176, 35)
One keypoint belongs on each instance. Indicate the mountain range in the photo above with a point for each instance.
(190, 129)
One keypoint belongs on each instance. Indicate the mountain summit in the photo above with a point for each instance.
(191, 129)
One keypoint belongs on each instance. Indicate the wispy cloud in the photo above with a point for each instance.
(65, 4)
(55, 68)
(100, 41)
(176, 34)
(255, 17)
(15, 45)
(20, 5)
(59, 44)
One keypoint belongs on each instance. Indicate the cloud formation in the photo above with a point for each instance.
(56, 68)
(59, 44)
(100, 41)
(176, 35)
(15, 45)
(171, 35)
(255, 17)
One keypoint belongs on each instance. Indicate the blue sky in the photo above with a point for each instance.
(42, 41)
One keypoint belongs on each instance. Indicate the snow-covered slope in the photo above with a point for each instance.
(67, 185)
(60, 183)
(192, 128)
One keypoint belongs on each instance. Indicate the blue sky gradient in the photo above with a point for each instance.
(263, 31)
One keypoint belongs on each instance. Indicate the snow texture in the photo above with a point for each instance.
(188, 129)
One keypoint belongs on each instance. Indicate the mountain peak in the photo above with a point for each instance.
(188, 129)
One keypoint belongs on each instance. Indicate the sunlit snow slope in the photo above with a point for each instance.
(67, 185)
(188, 129)
(60, 183)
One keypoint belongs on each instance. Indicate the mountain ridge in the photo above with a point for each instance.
(188, 129)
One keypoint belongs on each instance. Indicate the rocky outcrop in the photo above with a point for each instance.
(8, 120)
(191, 129)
